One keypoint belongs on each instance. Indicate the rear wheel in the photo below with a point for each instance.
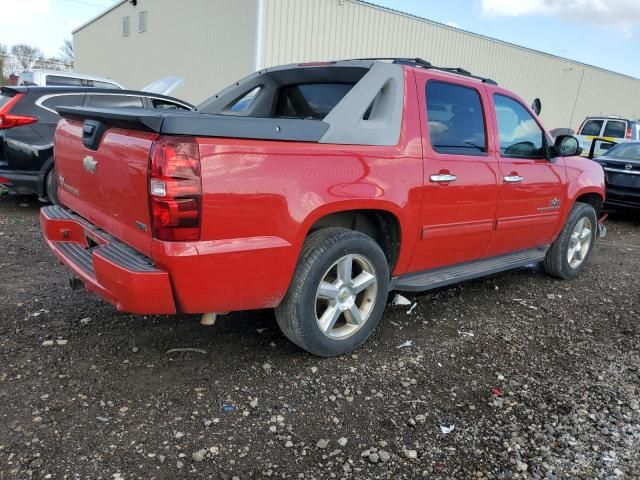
(568, 255)
(337, 293)
(51, 186)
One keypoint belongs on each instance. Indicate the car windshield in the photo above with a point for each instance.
(625, 151)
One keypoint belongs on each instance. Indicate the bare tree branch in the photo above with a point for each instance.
(25, 55)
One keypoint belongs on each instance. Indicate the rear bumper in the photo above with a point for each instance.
(106, 266)
(27, 183)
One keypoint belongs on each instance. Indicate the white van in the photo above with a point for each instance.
(53, 78)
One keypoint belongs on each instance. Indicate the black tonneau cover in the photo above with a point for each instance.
(201, 124)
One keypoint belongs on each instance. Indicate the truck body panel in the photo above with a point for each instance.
(259, 197)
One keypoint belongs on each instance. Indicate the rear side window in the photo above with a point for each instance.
(592, 128)
(520, 135)
(4, 99)
(615, 129)
(310, 100)
(115, 101)
(455, 119)
(59, 80)
(53, 103)
(243, 103)
(99, 84)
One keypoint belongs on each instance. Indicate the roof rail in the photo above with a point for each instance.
(420, 63)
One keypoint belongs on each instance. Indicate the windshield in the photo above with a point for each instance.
(26, 78)
(625, 151)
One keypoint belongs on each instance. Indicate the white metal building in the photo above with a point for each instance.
(212, 43)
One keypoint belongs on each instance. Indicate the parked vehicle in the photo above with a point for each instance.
(614, 129)
(316, 189)
(621, 164)
(56, 78)
(28, 119)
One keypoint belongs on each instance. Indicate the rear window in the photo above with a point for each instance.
(592, 127)
(310, 100)
(59, 80)
(615, 129)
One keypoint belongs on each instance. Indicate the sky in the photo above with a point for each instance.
(604, 33)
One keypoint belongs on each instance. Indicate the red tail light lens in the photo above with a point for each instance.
(628, 137)
(175, 189)
(11, 121)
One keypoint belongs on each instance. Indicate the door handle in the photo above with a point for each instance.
(513, 179)
(443, 178)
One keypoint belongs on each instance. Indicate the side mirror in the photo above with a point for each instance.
(567, 146)
(536, 106)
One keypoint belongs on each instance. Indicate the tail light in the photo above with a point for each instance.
(8, 120)
(628, 136)
(175, 189)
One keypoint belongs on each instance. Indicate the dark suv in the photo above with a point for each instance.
(28, 120)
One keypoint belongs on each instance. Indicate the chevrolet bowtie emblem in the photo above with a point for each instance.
(89, 164)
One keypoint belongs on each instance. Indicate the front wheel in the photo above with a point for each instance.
(337, 294)
(568, 255)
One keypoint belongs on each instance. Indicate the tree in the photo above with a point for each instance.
(66, 52)
(3, 64)
(25, 55)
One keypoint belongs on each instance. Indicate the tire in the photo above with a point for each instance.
(325, 257)
(51, 186)
(558, 263)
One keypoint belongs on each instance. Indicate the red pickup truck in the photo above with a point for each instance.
(316, 189)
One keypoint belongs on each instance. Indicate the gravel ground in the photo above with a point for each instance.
(538, 378)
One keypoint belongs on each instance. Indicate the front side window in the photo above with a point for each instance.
(615, 129)
(592, 128)
(455, 119)
(520, 135)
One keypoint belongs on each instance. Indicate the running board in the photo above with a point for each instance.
(440, 277)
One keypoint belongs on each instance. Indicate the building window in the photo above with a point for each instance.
(126, 26)
(142, 22)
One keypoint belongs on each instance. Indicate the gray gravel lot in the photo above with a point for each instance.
(539, 379)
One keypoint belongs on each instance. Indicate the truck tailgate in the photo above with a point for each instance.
(107, 186)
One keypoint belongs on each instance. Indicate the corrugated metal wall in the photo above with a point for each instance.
(306, 30)
(211, 43)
